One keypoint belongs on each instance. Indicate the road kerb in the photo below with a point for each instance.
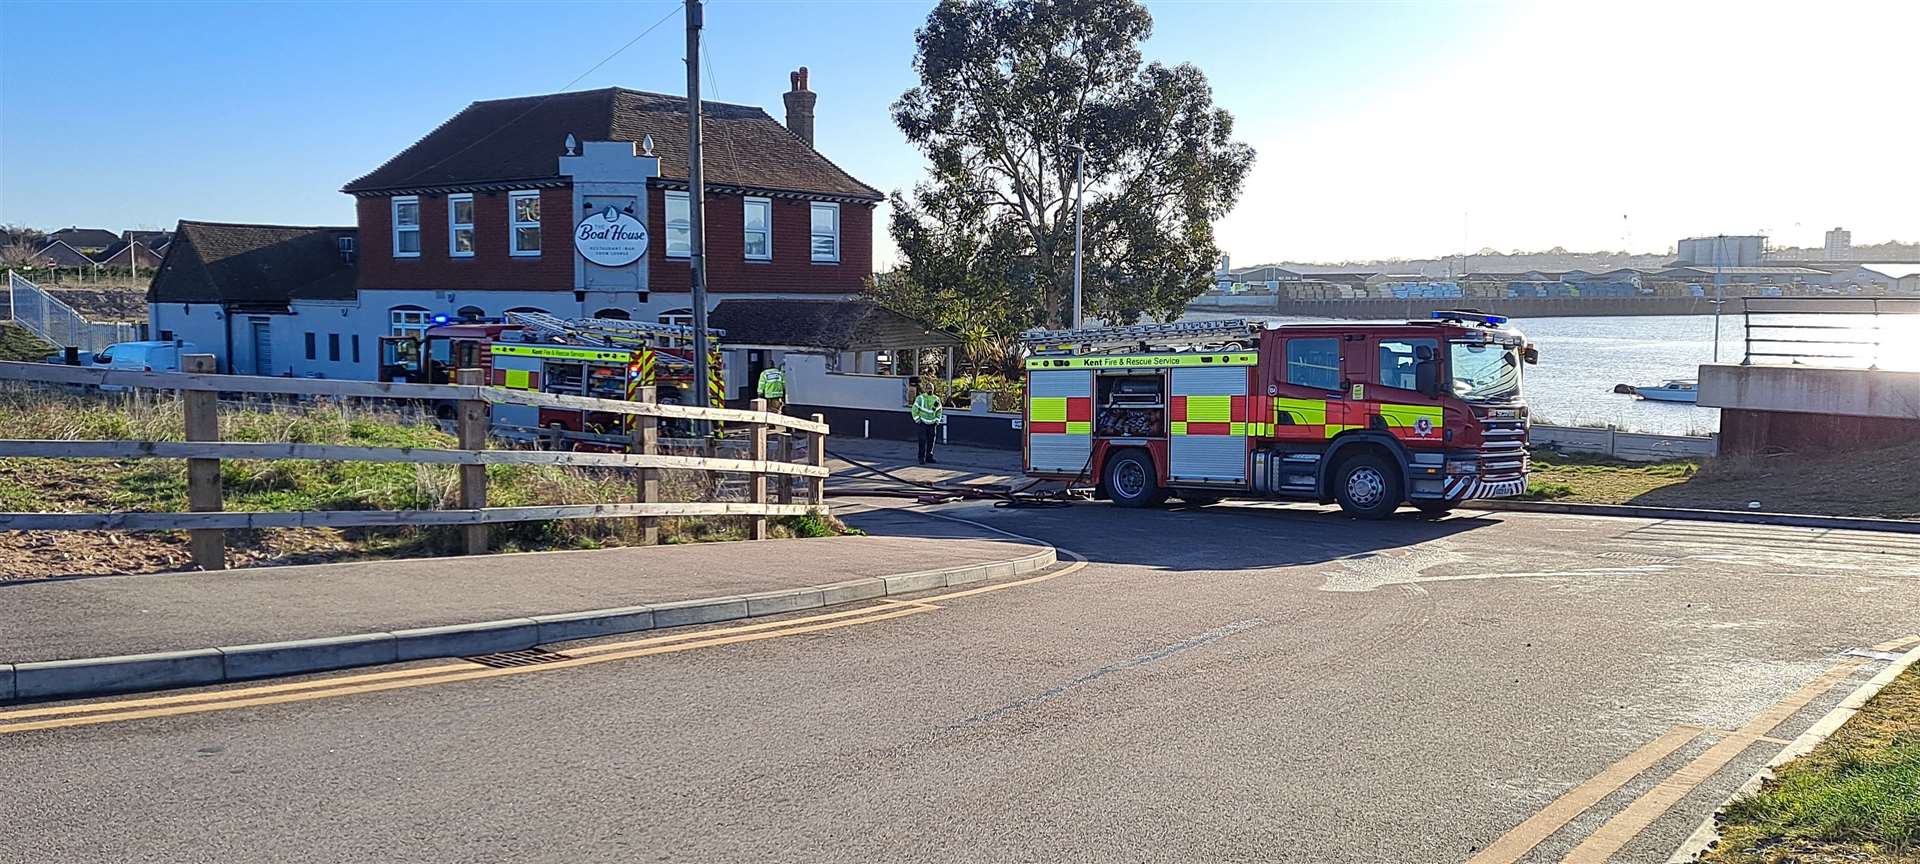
(54, 679)
(1634, 511)
(244, 662)
(1708, 832)
(466, 640)
(98, 676)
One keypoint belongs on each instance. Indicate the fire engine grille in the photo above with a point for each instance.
(510, 659)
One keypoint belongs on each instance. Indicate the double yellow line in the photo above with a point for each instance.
(1641, 812)
(95, 713)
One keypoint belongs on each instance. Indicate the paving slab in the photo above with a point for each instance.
(62, 619)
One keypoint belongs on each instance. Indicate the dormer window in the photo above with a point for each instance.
(406, 226)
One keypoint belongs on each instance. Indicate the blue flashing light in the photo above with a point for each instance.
(1476, 317)
(441, 319)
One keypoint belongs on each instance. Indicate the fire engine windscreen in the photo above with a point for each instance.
(1485, 372)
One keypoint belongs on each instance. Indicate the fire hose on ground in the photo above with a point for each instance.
(936, 493)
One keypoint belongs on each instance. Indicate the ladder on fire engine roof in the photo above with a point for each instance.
(547, 326)
(1184, 335)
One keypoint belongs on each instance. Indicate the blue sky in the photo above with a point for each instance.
(1383, 128)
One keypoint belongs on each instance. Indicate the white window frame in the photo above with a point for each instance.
(394, 213)
(454, 226)
(815, 207)
(767, 205)
(408, 321)
(666, 217)
(514, 224)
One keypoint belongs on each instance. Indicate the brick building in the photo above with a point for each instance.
(491, 212)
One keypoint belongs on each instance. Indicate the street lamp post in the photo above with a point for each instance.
(1079, 197)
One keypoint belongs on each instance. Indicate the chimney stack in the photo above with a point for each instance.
(800, 106)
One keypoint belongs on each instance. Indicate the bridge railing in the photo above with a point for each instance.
(1832, 331)
(771, 481)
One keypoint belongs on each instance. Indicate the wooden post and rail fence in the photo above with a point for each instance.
(207, 523)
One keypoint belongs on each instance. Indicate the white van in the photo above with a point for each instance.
(154, 356)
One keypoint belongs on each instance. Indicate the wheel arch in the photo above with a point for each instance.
(1346, 444)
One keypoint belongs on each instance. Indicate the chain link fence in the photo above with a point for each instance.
(32, 307)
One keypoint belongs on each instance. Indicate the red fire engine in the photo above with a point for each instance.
(1367, 415)
(598, 357)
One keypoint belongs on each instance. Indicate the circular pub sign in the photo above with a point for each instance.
(610, 238)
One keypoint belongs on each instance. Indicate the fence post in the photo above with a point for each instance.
(757, 481)
(646, 442)
(1612, 440)
(817, 457)
(470, 426)
(783, 483)
(204, 495)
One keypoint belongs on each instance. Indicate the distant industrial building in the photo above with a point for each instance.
(1747, 250)
(1839, 244)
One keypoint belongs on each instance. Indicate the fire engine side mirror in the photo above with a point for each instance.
(1531, 355)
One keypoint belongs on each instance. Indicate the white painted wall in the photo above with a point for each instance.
(810, 382)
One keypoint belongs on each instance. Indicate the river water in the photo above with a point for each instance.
(1581, 359)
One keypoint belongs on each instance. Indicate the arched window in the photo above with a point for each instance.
(614, 314)
(408, 321)
(470, 313)
(526, 309)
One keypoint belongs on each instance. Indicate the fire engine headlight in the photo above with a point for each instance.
(1463, 467)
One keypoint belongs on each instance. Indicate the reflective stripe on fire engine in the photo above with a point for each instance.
(561, 353)
(1210, 414)
(518, 379)
(1418, 421)
(1144, 361)
(1060, 415)
(647, 361)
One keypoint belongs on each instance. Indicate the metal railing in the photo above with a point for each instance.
(45, 316)
(1830, 331)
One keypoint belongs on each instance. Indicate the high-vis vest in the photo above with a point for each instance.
(773, 385)
(927, 409)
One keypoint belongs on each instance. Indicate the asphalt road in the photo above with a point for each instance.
(1235, 684)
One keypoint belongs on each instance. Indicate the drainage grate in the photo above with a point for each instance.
(510, 659)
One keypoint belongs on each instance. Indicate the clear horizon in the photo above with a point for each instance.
(1384, 130)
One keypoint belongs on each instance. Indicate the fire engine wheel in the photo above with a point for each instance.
(1367, 487)
(1131, 481)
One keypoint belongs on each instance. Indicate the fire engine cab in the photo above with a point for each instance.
(1370, 416)
(599, 357)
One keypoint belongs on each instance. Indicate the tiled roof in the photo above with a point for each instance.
(837, 324)
(521, 140)
(85, 238)
(264, 265)
(118, 256)
(61, 254)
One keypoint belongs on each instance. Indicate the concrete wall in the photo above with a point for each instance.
(1771, 409)
(1630, 446)
(1812, 390)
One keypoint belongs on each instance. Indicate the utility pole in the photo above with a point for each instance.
(696, 208)
(1079, 197)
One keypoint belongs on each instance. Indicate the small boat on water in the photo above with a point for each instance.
(1676, 390)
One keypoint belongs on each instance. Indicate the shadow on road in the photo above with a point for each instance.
(1180, 538)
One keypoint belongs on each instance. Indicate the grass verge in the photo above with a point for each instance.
(1854, 798)
(159, 485)
(1848, 483)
